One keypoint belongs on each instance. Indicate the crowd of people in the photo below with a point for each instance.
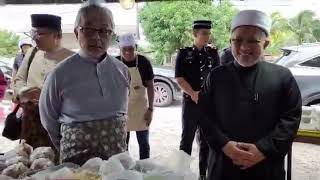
(244, 111)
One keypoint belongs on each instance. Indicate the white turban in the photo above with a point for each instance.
(252, 18)
(126, 40)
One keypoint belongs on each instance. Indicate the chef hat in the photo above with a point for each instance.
(25, 41)
(126, 40)
(252, 18)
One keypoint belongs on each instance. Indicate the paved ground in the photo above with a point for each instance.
(165, 135)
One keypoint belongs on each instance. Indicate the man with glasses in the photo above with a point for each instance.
(46, 33)
(254, 107)
(37, 63)
(140, 107)
(83, 105)
(192, 66)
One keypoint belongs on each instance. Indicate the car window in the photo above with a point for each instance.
(287, 59)
(314, 62)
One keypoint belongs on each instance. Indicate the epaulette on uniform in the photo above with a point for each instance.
(186, 49)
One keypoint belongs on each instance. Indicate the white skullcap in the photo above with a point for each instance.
(252, 18)
(126, 40)
(25, 41)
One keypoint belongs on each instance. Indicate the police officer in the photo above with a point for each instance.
(192, 67)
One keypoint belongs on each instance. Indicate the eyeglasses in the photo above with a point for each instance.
(36, 34)
(88, 31)
(250, 42)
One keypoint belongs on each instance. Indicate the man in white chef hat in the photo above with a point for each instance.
(140, 107)
(253, 107)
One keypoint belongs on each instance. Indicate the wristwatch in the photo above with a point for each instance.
(150, 109)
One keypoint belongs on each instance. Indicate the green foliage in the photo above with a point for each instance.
(280, 34)
(168, 25)
(305, 26)
(8, 43)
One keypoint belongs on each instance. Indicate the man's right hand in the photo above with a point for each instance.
(237, 155)
(195, 96)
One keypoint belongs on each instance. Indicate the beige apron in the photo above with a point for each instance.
(137, 101)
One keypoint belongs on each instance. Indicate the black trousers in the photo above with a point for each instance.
(143, 141)
(191, 115)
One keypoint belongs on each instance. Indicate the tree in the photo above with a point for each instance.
(167, 25)
(280, 34)
(8, 43)
(305, 27)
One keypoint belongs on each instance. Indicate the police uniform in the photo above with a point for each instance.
(194, 65)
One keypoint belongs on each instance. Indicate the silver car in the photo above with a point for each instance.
(304, 63)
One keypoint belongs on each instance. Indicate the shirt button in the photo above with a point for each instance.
(201, 69)
(200, 61)
(201, 78)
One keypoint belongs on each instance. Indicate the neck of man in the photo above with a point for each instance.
(54, 49)
(129, 60)
(198, 46)
(87, 56)
(253, 65)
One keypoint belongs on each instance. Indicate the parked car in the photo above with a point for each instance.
(165, 86)
(304, 63)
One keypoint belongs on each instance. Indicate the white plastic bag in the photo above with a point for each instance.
(3, 177)
(316, 116)
(42, 152)
(163, 177)
(64, 173)
(179, 161)
(150, 165)
(93, 164)
(23, 147)
(113, 165)
(124, 175)
(125, 159)
(15, 170)
(18, 159)
(41, 163)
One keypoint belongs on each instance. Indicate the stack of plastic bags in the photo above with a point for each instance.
(122, 166)
(310, 118)
(23, 159)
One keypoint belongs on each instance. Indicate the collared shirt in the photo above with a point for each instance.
(80, 90)
(194, 65)
(39, 68)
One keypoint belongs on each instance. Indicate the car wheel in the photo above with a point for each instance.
(162, 94)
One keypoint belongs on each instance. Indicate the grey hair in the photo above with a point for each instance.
(97, 6)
